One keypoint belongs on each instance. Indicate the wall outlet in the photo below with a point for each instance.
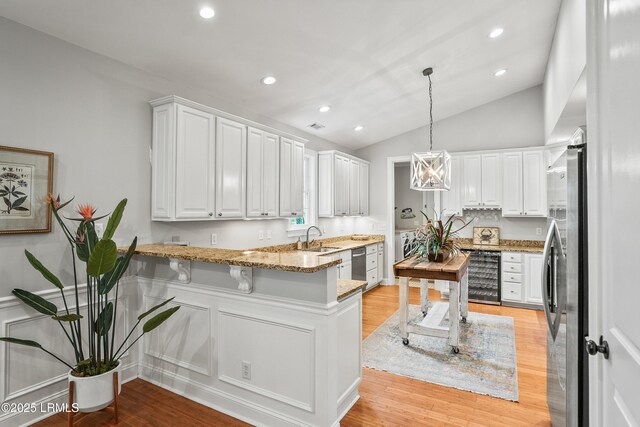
(261, 235)
(246, 370)
(99, 226)
(268, 234)
(539, 231)
(214, 239)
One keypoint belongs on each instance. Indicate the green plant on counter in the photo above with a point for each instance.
(93, 337)
(437, 237)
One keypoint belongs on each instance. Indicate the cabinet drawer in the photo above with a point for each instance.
(380, 247)
(372, 249)
(372, 261)
(511, 291)
(511, 257)
(372, 277)
(511, 277)
(511, 267)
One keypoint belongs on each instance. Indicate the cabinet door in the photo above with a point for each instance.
(533, 285)
(354, 187)
(297, 179)
(472, 182)
(491, 180)
(195, 157)
(326, 177)
(286, 167)
(451, 201)
(512, 184)
(345, 273)
(254, 173)
(534, 183)
(163, 163)
(341, 186)
(380, 264)
(364, 188)
(270, 178)
(231, 157)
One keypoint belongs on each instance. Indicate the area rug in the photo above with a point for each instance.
(486, 363)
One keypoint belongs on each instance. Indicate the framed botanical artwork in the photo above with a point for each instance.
(25, 181)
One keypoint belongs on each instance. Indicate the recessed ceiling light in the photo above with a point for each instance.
(496, 32)
(268, 80)
(500, 72)
(324, 108)
(358, 128)
(207, 12)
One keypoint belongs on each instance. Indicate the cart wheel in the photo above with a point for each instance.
(424, 314)
(464, 320)
(405, 341)
(455, 350)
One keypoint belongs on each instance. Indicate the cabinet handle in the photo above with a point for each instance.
(219, 213)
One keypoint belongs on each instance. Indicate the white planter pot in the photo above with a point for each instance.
(94, 393)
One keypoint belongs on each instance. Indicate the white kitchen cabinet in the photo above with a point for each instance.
(524, 184)
(344, 268)
(262, 173)
(343, 185)
(183, 160)
(451, 201)
(533, 268)
(380, 262)
(534, 183)
(231, 162)
(364, 188)
(482, 180)
(512, 184)
(291, 178)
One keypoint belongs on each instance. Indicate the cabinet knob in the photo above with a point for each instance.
(219, 213)
(210, 213)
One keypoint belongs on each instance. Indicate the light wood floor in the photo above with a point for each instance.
(385, 399)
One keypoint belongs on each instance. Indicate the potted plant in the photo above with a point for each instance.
(92, 336)
(434, 240)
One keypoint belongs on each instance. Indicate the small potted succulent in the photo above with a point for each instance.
(434, 240)
(91, 335)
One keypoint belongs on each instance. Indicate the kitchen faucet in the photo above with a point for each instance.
(306, 244)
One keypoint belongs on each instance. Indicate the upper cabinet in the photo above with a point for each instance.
(524, 184)
(451, 201)
(291, 178)
(343, 185)
(482, 180)
(263, 180)
(209, 165)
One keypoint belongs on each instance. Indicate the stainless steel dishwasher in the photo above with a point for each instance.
(359, 264)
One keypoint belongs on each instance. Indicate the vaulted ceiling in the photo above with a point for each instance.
(364, 58)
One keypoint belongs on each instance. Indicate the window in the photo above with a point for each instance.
(309, 215)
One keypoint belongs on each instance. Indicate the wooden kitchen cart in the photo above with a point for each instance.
(455, 271)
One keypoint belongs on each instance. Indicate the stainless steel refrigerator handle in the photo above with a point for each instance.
(553, 232)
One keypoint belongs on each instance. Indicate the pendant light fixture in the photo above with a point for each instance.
(430, 171)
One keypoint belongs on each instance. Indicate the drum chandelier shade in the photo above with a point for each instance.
(431, 171)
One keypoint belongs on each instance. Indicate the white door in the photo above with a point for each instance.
(195, 156)
(512, 184)
(364, 188)
(354, 187)
(286, 186)
(613, 172)
(472, 182)
(534, 183)
(297, 179)
(254, 173)
(270, 174)
(452, 200)
(491, 180)
(533, 268)
(231, 158)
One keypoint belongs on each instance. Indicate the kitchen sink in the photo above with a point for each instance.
(321, 249)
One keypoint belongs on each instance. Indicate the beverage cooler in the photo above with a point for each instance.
(484, 277)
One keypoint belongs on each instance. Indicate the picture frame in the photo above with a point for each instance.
(26, 179)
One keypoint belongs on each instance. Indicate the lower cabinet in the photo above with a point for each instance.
(344, 268)
(372, 265)
(522, 278)
(380, 262)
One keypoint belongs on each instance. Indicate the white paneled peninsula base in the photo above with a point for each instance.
(264, 340)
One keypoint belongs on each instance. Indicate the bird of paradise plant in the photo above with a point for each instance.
(434, 240)
(103, 270)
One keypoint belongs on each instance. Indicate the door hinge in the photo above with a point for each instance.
(594, 348)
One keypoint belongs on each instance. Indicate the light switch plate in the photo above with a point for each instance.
(261, 235)
(214, 239)
(246, 370)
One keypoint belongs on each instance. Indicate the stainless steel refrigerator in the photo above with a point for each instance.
(565, 285)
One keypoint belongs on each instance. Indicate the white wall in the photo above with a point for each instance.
(567, 61)
(405, 197)
(93, 113)
(511, 122)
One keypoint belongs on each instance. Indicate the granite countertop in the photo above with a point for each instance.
(505, 245)
(346, 288)
(281, 257)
